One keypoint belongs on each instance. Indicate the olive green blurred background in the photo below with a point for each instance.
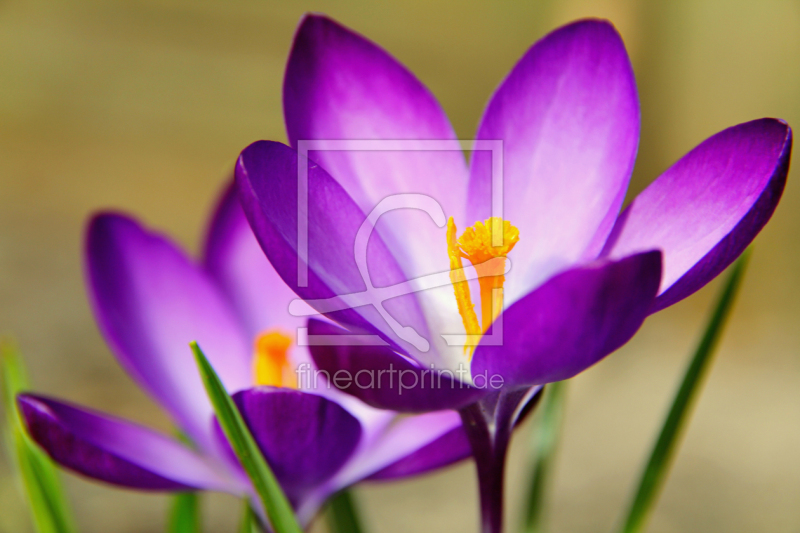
(144, 105)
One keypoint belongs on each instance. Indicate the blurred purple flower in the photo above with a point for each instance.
(583, 275)
(150, 301)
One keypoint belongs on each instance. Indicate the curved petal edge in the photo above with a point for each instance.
(113, 450)
(568, 119)
(571, 322)
(708, 207)
(306, 438)
(381, 378)
(446, 450)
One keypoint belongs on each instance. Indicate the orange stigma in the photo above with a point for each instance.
(271, 360)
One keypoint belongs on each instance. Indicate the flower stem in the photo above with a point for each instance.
(488, 424)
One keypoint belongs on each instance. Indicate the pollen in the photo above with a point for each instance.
(461, 287)
(271, 360)
(477, 245)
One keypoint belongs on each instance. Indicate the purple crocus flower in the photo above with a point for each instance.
(583, 276)
(150, 301)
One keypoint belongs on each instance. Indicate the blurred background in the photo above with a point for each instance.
(143, 105)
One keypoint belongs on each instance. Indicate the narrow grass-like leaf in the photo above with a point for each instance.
(279, 511)
(343, 514)
(40, 480)
(545, 442)
(660, 458)
(184, 511)
(249, 521)
(184, 515)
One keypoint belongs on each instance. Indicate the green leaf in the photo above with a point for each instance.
(343, 514)
(40, 480)
(545, 443)
(249, 521)
(184, 516)
(657, 467)
(277, 507)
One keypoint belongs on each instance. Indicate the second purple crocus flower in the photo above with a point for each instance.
(150, 301)
(583, 275)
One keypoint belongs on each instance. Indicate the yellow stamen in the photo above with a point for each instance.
(460, 285)
(271, 361)
(476, 245)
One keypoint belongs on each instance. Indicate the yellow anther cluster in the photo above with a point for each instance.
(271, 360)
(475, 244)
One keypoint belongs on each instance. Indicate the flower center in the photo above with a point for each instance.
(475, 245)
(271, 362)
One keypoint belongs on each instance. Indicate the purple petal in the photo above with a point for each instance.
(267, 179)
(402, 439)
(304, 437)
(380, 377)
(235, 260)
(568, 116)
(704, 211)
(115, 451)
(341, 86)
(450, 446)
(571, 322)
(150, 302)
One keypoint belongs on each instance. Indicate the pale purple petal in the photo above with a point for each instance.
(304, 437)
(380, 377)
(267, 179)
(571, 322)
(237, 263)
(340, 86)
(116, 451)
(150, 302)
(420, 439)
(705, 209)
(423, 443)
(568, 118)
